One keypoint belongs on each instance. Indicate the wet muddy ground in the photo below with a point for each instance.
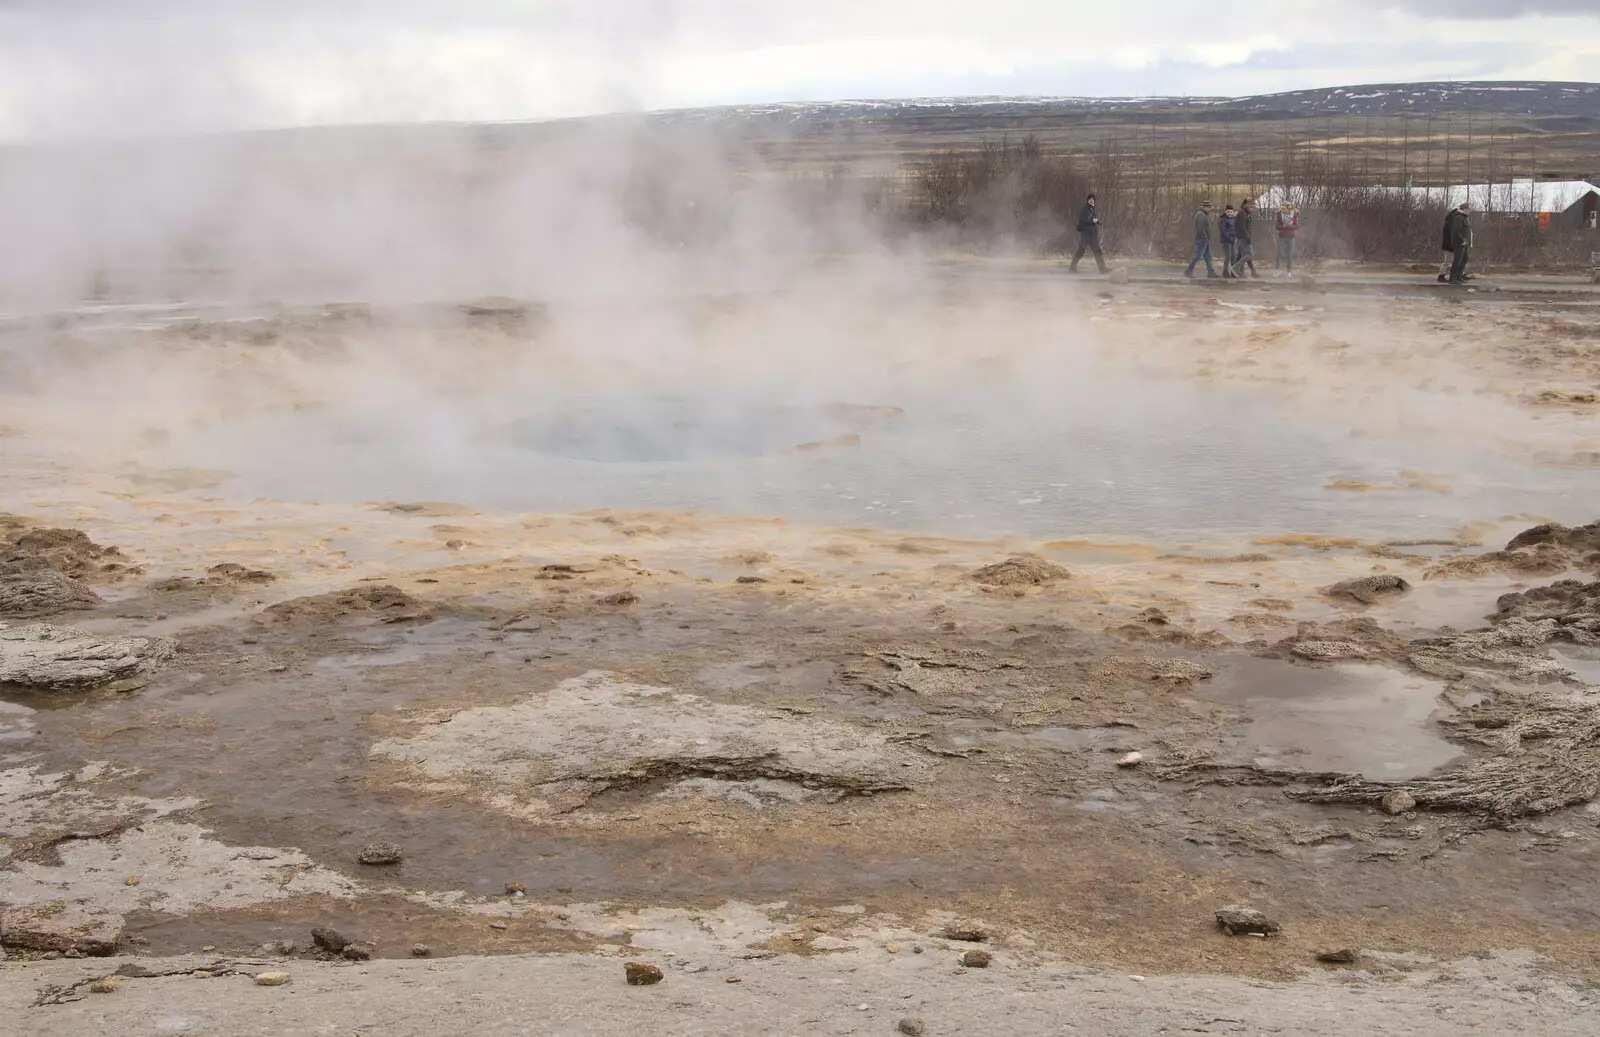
(641, 707)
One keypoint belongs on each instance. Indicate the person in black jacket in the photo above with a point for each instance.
(1245, 250)
(1458, 241)
(1089, 235)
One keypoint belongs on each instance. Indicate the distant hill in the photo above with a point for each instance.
(1511, 99)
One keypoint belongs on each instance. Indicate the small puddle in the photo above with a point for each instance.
(1357, 717)
(1583, 662)
(16, 723)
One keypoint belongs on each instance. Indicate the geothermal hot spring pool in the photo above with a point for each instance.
(1109, 454)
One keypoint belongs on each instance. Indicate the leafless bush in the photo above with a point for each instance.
(1018, 194)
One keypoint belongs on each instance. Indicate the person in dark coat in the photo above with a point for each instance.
(1202, 241)
(1458, 241)
(1089, 235)
(1228, 234)
(1246, 252)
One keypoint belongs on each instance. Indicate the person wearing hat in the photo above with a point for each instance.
(1202, 240)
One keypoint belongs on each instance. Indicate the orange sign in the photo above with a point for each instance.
(1544, 220)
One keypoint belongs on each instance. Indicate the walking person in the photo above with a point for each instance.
(1287, 224)
(1228, 232)
(1202, 241)
(1458, 241)
(1089, 235)
(1247, 249)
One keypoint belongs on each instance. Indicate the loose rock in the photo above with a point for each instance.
(1398, 802)
(380, 853)
(420, 950)
(42, 592)
(640, 974)
(911, 1027)
(1020, 571)
(1239, 920)
(965, 933)
(1342, 956)
(59, 927)
(1368, 590)
(57, 658)
(108, 985)
(272, 979)
(1131, 760)
(385, 602)
(330, 940)
(620, 598)
(977, 959)
(358, 952)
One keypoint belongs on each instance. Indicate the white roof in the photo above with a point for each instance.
(1518, 196)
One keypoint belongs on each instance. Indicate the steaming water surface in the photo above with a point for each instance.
(1104, 454)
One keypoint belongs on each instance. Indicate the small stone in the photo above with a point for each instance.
(735, 979)
(497, 925)
(893, 948)
(911, 1027)
(641, 975)
(515, 889)
(108, 985)
(51, 955)
(1398, 802)
(916, 948)
(329, 940)
(965, 933)
(1239, 920)
(620, 598)
(75, 953)
(1131, 760)
(380, 853)
(751, 579)
(209, 947)
(131, 880)
(358, 952)
(1342, 956)
(272, 979)
(976, 959)
(420, 950)
(286, 947)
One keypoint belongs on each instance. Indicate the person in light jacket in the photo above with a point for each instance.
(1287, 225)
(1202, 241)
(1089, 235)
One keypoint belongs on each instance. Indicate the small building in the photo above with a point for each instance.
(1568, 202)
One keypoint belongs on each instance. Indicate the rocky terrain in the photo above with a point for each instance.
(268, 764)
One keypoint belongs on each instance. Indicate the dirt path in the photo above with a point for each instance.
(572, 995)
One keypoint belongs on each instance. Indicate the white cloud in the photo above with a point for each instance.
(97, 67)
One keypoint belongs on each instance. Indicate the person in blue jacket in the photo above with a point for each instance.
(1089, 235)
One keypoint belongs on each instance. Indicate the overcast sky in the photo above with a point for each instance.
(116, 67)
